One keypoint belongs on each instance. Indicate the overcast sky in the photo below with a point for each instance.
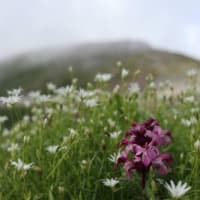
(36, 24)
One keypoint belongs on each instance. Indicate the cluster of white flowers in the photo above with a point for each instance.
(10, 100)
(91, 102)
(13, 147)
(15, 92)
(63, 91)
(34, 94)
(189, 99)
(189, 122)
(103, 77)
(13, 97)
(194, 110)
(86, 93)
(43, 98)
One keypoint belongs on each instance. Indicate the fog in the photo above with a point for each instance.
(37, 24)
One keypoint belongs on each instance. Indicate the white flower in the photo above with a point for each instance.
(90, 102)
(13, 147)
(186, 122)
(119, 63)
(110, 182)
(21, 165)
(152, 85)
(85, 94)
(43, 98)
(189, 99)
(72, 131)
(193, 120)
(34, 94)
(116, 89)
(103, 77)
(178, 190)
(3, 119)
(6, 132)
(84, 162)
(52, 149)
(114, 157)
(10, 100)
(115, 134)
(26, 119)
(72, 135)
(194, 110)
(111, 123)
(70, 69)
(26, 139)
(51, 86)
(134, 88)
(191, 72)
(124, 73)
(189, 122)
(14, 92)
(14, 97)
(197, 145)
(63, 91)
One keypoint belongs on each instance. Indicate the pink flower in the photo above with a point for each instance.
(141, 149)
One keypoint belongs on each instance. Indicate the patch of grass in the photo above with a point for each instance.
(79, 126)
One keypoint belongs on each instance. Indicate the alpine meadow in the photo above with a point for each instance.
(105, 141)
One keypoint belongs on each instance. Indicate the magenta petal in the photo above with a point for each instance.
(153, 152)
(145, 159)
(124, 141)
(138, 150)
(161, 168)
(166, 157)
(128, 167)
(149, 134)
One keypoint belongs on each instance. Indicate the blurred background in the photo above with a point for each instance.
(40, 40)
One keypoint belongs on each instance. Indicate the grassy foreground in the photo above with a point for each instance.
(67, 145)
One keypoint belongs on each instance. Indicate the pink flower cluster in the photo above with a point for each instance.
(141, 149)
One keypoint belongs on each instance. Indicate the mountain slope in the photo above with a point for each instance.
(34, 70)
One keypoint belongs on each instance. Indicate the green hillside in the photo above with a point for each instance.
(33, 71)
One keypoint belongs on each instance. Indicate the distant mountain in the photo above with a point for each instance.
(33, 70)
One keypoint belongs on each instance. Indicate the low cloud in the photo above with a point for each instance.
(35, 24)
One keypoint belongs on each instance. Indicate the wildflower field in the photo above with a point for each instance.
(123, 142)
